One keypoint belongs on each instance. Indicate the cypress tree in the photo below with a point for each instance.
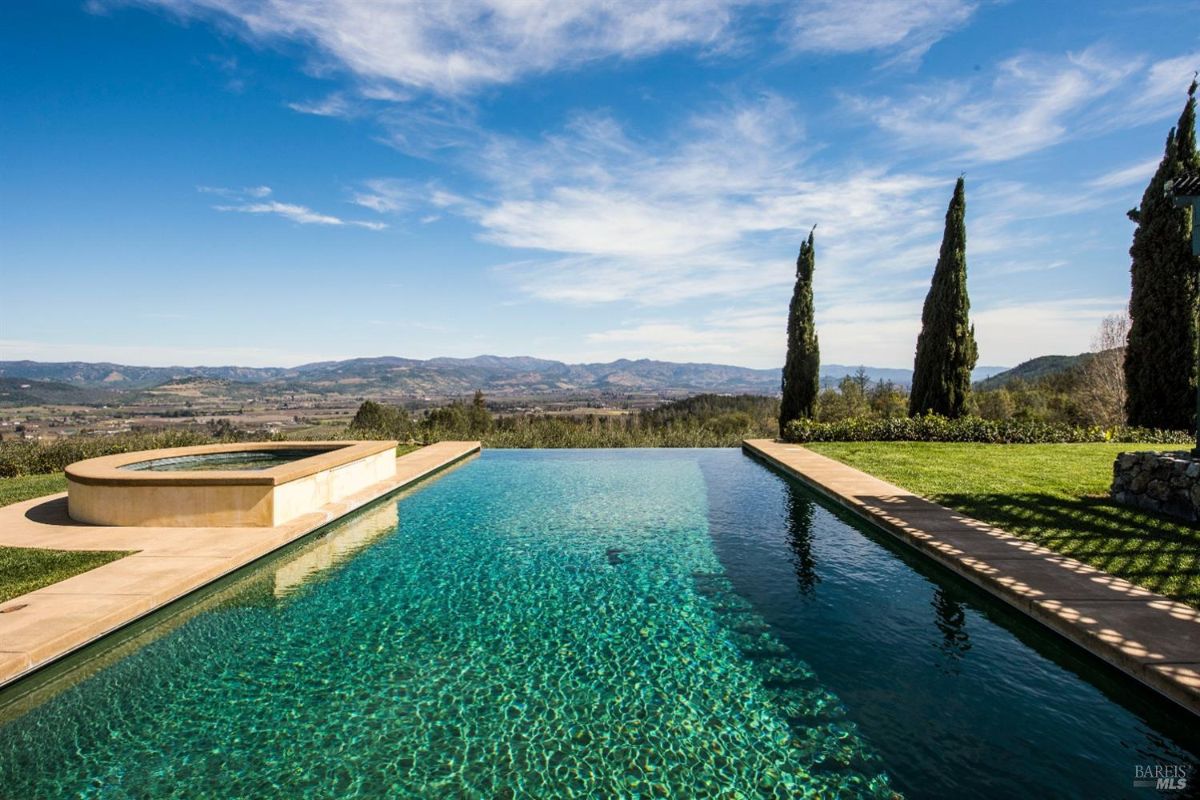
(946, 350)
(1160, 353)
(802, 368)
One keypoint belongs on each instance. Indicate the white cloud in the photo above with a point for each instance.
(1161, 90)
(450, 48)
(714, 213)
(252, 201)
(334, 105)
(1032, 102)
(301, 214)
(389, 196)
(878, 332)
(851, 332)
(415, 66)
(871, 328)
(1010, 333)
(909, 27)
(1126, 176)
(752, 340)
(718, 209)
(248, 191)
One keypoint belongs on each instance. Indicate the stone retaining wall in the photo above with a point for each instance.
(1168, 483)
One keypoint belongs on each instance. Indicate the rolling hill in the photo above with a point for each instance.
(31, 392)
(1032, 370)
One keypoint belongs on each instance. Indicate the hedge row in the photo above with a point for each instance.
(30, 457)
(934, 428)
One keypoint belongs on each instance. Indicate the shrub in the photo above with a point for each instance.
(934, 428)
(631, 431)
(376, 421)
(31, 457)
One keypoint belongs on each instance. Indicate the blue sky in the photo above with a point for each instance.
(273, 182)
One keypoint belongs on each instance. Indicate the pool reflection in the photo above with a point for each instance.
(800, 521)
(951, 620)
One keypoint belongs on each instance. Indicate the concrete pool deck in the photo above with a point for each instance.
(42, 626)
(1146, 635)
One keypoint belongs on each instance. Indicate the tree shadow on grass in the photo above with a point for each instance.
(1160, 553)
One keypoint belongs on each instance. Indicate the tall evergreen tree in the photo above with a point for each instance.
(802, 368)
(1160, 354)
(946, 350)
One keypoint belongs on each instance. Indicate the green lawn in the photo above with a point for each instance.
(24, 569)
(14, 490)
(1053, 494)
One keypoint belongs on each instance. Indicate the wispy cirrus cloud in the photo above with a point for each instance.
(301, 214)
(1031, 102)
(1126, 176)
(707, 213)
(905, 27)
(455, 48)
(600, 214)
(244, 192)
(392, 196)
(255, 201)
(416, 69)
(1161, 87)
(332, 105)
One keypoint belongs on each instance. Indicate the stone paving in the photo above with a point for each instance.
(1146, 635)
(42, 626)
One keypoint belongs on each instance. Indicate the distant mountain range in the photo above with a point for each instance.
(436, 377)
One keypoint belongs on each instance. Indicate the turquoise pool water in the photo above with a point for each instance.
(591, 623)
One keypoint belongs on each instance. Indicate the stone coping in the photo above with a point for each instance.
(107, 470)
(1152, 638)
(39, 628)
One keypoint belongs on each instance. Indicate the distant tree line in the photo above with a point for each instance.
(706, 420)
(1088, 394)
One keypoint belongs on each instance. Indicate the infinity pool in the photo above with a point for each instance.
(633, 623)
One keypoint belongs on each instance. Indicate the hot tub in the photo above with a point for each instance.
(254, 484)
